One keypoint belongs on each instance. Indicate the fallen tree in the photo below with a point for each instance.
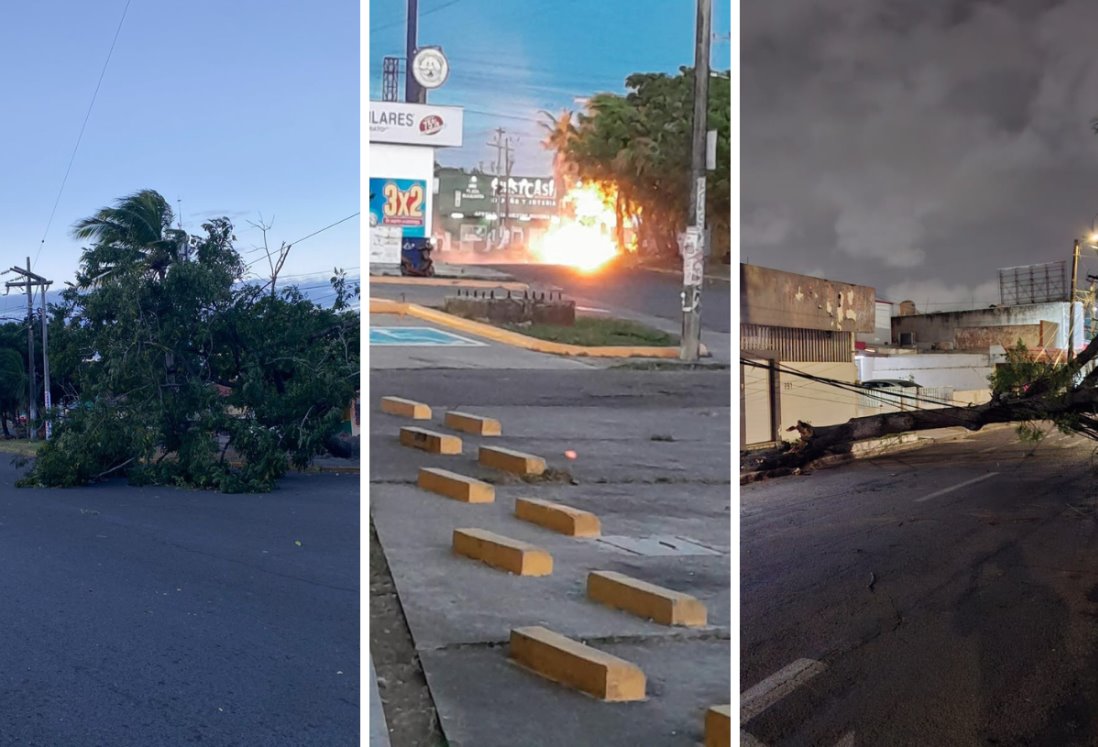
(1025, 390)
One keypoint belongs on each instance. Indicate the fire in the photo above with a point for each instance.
(584, 239)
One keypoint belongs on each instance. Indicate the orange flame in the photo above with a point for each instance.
(585, 239)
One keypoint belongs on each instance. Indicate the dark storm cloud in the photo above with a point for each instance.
(917, 146)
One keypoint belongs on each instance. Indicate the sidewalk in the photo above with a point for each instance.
(443, 271)
(651, 465)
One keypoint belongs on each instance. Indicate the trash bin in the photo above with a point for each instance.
(415, 257)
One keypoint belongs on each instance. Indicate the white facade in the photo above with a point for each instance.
(401, 162)
(963, 371)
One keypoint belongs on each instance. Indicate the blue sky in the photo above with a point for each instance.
(235, 108)
(517, 58)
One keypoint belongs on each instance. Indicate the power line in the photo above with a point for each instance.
(869, 392)
(83, 126)
(401, 22)
(322, 230)
(248, 265)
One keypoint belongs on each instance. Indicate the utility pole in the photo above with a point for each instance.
(30, 282)
(508, 162)
(499, 167)
(413, 92)
(47, 400)
(1071, 301)
(693, 254)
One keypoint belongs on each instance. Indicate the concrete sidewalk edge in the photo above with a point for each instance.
(514, 339)
(877, 446)
(449, 282)
(379, 730)
(874, 447)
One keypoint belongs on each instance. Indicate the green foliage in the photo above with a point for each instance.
(13, 379)
(641, 143)
(13, 385)
(1029, 432)
(182, 374)
(1020, 371)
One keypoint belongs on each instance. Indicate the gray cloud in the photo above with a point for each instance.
(916, 144)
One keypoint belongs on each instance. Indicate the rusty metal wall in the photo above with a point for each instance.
(786, 344)
(785, 299)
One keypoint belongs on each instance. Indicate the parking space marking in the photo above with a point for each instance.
(777, 686)
(419, 337)
(958, 486)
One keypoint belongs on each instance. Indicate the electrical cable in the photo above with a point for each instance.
(83, 126)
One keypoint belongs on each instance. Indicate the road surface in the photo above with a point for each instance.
(943, 596)
(640, 291)
(153, 616)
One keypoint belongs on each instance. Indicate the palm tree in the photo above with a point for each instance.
(135, 234)
(560, 135)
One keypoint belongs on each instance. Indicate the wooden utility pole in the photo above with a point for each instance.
(30, 282)
(693, 250)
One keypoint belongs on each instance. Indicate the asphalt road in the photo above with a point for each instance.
(641, 291)
(167, 617)
(943, 596)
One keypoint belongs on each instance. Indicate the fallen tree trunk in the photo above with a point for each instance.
(1074, 409)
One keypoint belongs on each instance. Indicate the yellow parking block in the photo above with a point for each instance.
(571, 663)
(559, 518)
(430, 441)
(474, 424)
(508, 460)
(405, 408)
(718, 726)
(515, 556)
(645, 600)
(452, 485)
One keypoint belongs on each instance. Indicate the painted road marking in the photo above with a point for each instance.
(777, 686)
(419, 337)
(958, 486)
(593, 309)
(846, 741)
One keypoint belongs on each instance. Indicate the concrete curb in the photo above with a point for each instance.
(678, 273)
(514, 339)
(899, 441)
(877, 446)
(880, 446)
(379, 730)
(449, 282)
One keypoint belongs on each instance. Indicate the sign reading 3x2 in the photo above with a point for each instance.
(399, 203)
(402, 206)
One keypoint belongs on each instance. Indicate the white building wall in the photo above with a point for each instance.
(389, 161)
(958, 370)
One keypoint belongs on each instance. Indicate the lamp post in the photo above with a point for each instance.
(1093, 243)
(1071, 301)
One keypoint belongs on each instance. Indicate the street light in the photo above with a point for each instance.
(1092, 239)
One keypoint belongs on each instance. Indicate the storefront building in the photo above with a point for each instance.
(402, 150)
(481, 212)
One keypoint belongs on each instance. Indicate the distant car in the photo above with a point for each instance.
(890, 384)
